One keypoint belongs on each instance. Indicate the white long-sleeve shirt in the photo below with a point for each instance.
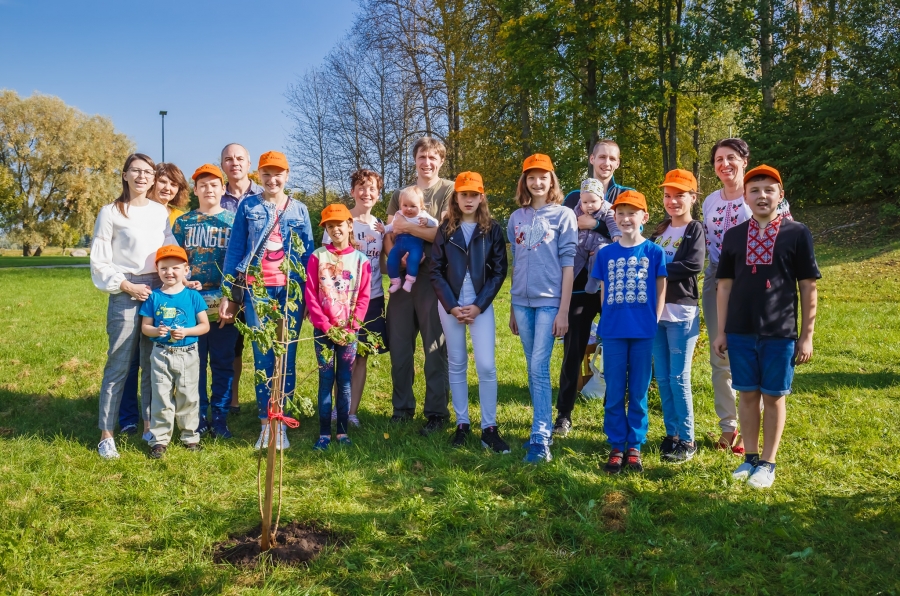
(127, 244)
(429, 220)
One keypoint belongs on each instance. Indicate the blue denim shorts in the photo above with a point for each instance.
(761, 363)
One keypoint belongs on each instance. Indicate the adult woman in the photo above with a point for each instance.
(127, 234)
(171, 189)
(722, 210)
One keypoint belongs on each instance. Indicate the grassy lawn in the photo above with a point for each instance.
(42, 261)
(418, 517)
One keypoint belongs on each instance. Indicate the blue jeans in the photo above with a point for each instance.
(406, 244)
(333, 371)
(128, 410)
(536, 332)
(217, 348)
(265, 361)
(626, 363)
(673, 350)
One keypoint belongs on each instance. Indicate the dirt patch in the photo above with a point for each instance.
(296, 544)
(614, 511)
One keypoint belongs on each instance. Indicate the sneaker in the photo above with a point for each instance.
(461, 435)
(107, 449)
(129, 429)
(345, 441)
(263, 440)
(234, 410)
(684, 451)
(667, 448)
(743, 471)
(194, 447)
(633, 461)
(220, 428)
(322, 444)
(527, 443)
(434, 424)
(762, 477)
(147, 436)
(562, 426)
(614, 463)
(203, 427)
(537, 454)
(353, 419)
(490, 439)
(398, 418)
(157, 451)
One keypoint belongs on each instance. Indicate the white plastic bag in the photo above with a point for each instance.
(595, 388)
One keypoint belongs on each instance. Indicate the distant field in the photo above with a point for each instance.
(42, 261)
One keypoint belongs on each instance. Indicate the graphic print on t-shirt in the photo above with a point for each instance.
(627, 280)
(534, 234)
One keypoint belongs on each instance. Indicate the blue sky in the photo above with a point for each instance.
(219, 68)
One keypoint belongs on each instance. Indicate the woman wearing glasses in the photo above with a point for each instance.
(127, 234)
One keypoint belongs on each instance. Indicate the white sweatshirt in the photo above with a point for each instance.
(127, 244)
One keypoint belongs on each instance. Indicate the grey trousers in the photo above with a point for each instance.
(408, 314)
(725, 399)
(123, 327)
(175, 375)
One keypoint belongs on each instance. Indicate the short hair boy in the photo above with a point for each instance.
(173, 317)
(204, 234)
(762, 263)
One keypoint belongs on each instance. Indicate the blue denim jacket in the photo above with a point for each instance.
(253, 222)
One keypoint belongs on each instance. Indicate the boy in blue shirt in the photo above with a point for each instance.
(204, 235)
(173, 317)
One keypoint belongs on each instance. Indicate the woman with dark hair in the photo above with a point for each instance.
(127, 234)
(171, 189)
(722, 210)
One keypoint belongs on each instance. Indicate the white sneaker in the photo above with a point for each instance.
(762, 477)
(263, 440)
(107, 449)
(743, 472)
(147, 436)
(281, 442)
(354, 420)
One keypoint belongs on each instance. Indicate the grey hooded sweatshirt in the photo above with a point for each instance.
(543, 242)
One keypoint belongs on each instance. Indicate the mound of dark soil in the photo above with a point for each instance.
(296, 544)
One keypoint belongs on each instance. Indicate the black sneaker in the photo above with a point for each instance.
(490, 439)
(667, 448)
(434, 424)
(193, 447)
(461, 435)
(633, 460)
(398, 418)
(614, 464)
(684, 452)
(157, 451)
(562, 426)
(203, 427)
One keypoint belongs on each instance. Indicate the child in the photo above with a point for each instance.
(470, 264)
(337, 296)
(591, 201)
(633, 287)
(173, 317)
(412, 208)
(204, 234)
(262, 236)
(543, 235)
(762, 262)
(683, 241)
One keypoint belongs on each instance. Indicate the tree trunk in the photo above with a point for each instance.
(697, 142)
(26, 250)
(525, 122)
(766, 50)
(673, 130)
(39, 251)
(829, 47)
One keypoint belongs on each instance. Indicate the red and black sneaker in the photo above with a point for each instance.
(633, 460)
(614, 465)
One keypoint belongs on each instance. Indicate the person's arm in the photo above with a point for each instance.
(306, 236)
(151, 330)
(363, 297)
(438, 274)
(103, 273)
(317, 315)
(561, 322)
(496, 267)
(201, 328)
(237, 244)
(809, 297)
(660, 297)
(402, 226)
(430, 221)
(723, 293)
(693, 252)
(610, 219)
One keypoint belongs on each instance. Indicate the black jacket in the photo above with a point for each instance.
(681, 273)
(484, 258)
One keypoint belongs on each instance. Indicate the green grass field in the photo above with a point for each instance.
(51, 261)
(417, 517)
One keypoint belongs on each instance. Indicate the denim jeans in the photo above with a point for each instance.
(334, 376)
(536, 332)
(626, 363)
(217, 355)
(406, 244)
(265, 361)
(673, 350)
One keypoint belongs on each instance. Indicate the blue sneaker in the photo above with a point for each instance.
(537, 453)
(322, 444)
(527, 443)
(220, 427)
(203, 427)
(345, 441)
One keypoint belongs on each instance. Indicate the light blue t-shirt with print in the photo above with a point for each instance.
(629, 289)
(175, 311)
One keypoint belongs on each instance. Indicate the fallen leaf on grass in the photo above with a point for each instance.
(505, 547)
(387, 436)
(806, 552)
(418, 467)
(428, 489)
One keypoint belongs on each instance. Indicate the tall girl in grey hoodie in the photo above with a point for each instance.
(543, 235)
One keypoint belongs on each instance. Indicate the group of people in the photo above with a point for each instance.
(177, 283)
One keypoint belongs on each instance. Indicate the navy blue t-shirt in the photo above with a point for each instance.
(629, 286)
(175, 311)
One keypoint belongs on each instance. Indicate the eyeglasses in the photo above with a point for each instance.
(138, 173)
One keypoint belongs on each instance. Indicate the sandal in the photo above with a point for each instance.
(722, 444)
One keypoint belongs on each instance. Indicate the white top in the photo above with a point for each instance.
(430, 221)
(670, 241)
(720, 215)
(127, 244)
(369, 241)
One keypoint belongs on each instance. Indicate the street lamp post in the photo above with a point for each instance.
(163, 114)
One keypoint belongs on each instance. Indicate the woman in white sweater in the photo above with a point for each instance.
(127, 234)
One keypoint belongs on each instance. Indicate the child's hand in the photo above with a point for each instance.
(586, 221)
(470, 312)
(423, 222)
(561, 324)
(616, 238)
(193, 285)
(178, 334)
(162, 330)
(513, 326)
(457, 311)
(720, 345)
(803, 350)
(379, 226)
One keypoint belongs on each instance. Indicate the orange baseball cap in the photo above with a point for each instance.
(335, 212)
(469, 181)
(171, 251)
(539, 161)
(680, 179)
(763, 170)
(633, 198)
(209, 169)
(273, 159)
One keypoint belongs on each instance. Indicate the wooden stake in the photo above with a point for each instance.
(267, 539)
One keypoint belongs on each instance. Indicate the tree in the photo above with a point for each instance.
(60, 166)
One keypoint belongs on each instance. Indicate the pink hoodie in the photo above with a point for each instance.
(337, 288)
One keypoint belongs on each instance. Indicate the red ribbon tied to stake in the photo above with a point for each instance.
(288, 421)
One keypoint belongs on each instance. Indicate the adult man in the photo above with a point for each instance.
(415, 312)
(236, 164)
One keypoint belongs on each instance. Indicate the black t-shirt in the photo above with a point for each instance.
(764, 296)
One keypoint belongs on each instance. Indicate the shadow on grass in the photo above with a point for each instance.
(813, 382)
